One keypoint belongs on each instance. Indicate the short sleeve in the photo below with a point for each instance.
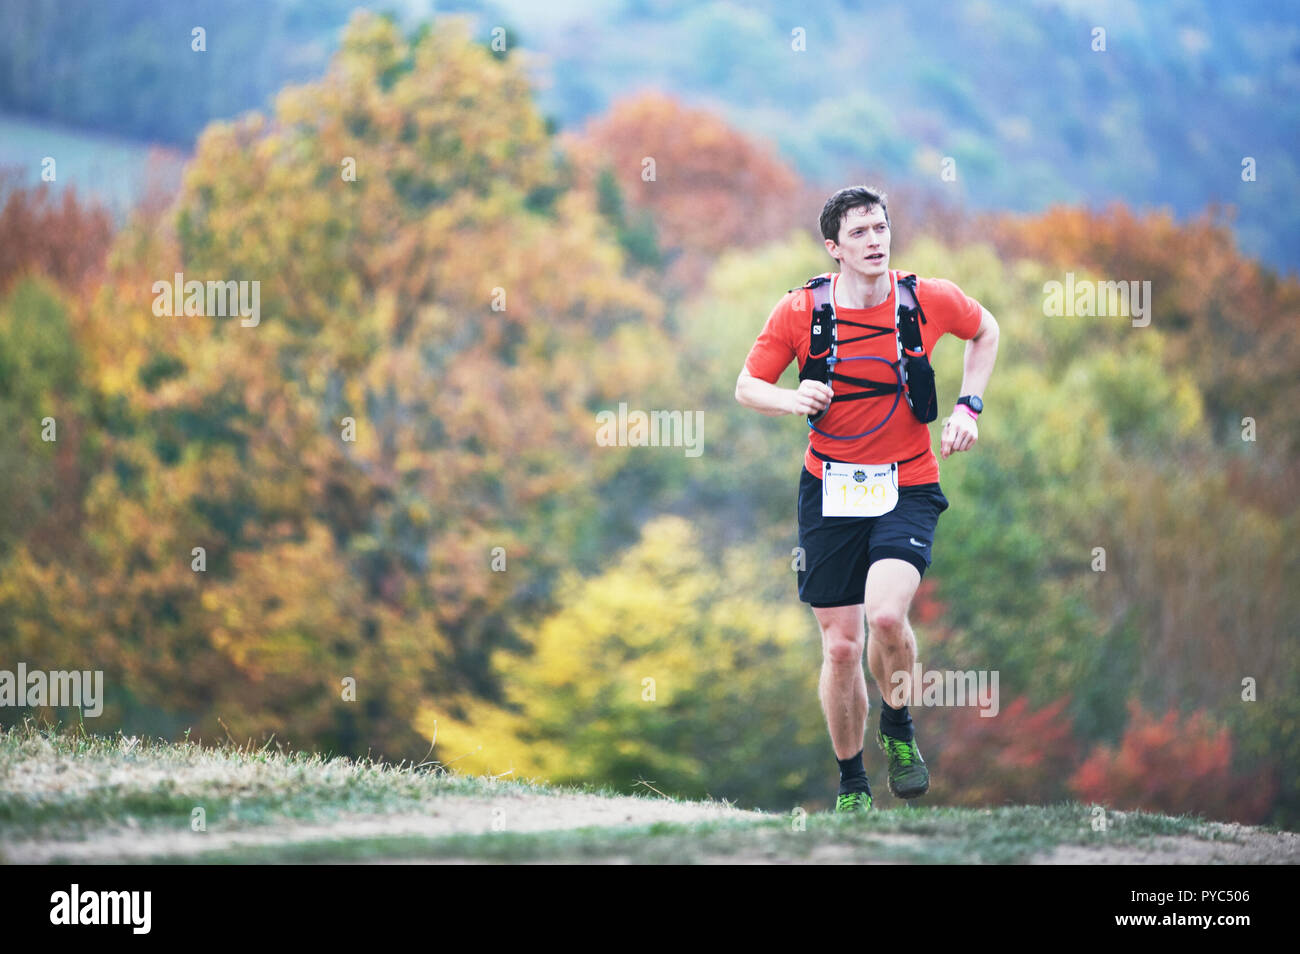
(775, 347)
(956, 312)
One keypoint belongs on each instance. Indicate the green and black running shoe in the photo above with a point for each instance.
(908, 776)
(853, 802)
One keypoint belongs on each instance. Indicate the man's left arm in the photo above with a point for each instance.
(960, 432)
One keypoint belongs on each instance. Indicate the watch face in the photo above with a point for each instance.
(974, 402)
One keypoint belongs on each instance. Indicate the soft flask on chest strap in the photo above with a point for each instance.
(918, 375)
(911, 374)
(819, 349)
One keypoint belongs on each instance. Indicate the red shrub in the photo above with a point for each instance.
(64, 238)
(1179, 765)
(1017, 756)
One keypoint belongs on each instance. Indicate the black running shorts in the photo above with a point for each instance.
(838, 550)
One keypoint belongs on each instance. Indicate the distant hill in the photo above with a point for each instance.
(1014, 93)
(115, 170)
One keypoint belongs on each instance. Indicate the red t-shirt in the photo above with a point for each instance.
(785, 338)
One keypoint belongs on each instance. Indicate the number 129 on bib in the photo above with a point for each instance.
(859, 490)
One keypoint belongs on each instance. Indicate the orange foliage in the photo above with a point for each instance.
(1177, 766)
(65, 239)
(714, 189)
(1231, 318)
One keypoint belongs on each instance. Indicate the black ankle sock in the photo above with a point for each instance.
(853, 775)
(896, 723)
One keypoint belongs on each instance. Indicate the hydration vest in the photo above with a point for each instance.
(912, 376)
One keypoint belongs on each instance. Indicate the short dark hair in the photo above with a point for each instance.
(838, 205)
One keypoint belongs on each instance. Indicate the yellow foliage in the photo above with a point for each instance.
(577, 705)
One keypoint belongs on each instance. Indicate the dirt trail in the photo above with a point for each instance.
(449, 815)
(1253, 847)
(524, 812)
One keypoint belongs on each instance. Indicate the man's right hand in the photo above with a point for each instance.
(810, 398)
(772, 400)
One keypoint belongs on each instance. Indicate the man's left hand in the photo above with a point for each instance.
(959, 434)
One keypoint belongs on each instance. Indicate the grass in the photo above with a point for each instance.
(74, 777)
(67, 786)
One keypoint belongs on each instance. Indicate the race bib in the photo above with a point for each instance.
(858, 490)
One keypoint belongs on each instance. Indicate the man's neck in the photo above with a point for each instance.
(855, 290)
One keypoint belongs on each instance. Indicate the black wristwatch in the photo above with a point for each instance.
(972, 401)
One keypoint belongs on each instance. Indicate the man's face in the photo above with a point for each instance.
(864, 241)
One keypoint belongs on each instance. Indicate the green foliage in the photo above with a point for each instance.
(42, 376)
(636, 237)
(1266, 733)
(38, 356)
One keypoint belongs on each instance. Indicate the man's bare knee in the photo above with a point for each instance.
(886, 623)
(843, 649)
(843, 637)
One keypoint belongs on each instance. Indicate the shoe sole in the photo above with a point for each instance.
(910, 793)
(895, 792)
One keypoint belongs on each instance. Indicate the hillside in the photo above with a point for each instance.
(77, 798)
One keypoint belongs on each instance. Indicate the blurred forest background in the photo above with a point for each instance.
(520, 169)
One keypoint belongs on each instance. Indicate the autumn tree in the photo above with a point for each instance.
(668, 667)
(1228, 320)
(708, 187)
(64, 239)
(439, 317)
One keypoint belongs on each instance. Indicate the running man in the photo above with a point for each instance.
(873, 562)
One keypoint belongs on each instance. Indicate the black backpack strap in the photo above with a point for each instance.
(820, 334)
(918, 375)
(819, 330)
(909, 310)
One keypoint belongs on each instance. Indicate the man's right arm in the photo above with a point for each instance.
(770, 356)
(773, 401)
